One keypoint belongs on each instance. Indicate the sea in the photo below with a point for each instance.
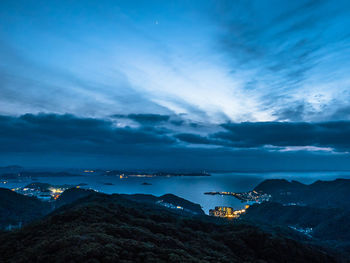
(191, 188)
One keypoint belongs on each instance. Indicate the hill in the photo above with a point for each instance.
(324, 194)
(326, 223)
(329, 227)
(17, 209)
(170, 201)
(71, 195)
(102, 228)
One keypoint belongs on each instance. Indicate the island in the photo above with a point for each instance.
(126, 174)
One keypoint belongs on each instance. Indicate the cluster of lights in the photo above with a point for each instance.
(223, 211)
(56, 190)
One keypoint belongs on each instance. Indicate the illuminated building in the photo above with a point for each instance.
(225, 211)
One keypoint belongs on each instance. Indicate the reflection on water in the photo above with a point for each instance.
(189, 187)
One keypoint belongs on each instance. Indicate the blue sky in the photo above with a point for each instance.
(205, 65)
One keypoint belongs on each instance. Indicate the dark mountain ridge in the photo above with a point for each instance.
(17, 209)
(324, 194)
(329, 227)
(166, 199)
(112, 228)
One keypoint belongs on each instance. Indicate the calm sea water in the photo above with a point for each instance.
(191, 188)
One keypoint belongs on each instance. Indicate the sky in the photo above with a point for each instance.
(218, 85)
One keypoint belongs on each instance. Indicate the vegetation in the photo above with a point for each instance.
(71, 195)
(324, 194)
(102, 228)
(330, 226)
(170, 199)
(17, 209)
(93, 227)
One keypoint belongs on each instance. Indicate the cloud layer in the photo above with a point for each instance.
(231, 146)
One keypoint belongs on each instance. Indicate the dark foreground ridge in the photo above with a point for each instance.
(112, 228)
(17, 210)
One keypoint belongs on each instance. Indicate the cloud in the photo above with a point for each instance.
(68, 140)
(342, 113)
(287, 52)
(323, 134)
(283, 136)
(144, 118)
(38, 83)
(194, 138)
(291, 113)
(298, 111)
(255, 63)
(68, 133)
(282, 39)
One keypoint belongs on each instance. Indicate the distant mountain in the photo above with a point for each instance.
(175, 201)
(154, 174)
(11, 174)
(17, 209)
(47, 174)
(273, 186)
(112, 228)
(10, 169)
(325, 194)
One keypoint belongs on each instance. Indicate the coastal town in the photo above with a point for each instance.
(43, 191)
(251, 196)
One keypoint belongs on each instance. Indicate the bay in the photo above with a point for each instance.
(191, 188)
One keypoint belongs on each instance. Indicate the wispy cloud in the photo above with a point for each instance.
(215, 61)
(283, 48)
